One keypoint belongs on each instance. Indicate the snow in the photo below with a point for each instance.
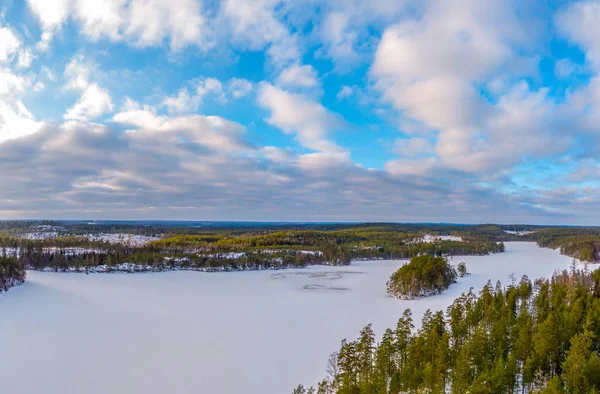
(47, 227)
(39, 236)
(229, 255)
(122, 238)
(49, 232)
(251, 332)
(428, 238)
(522, 232)
(309, 252)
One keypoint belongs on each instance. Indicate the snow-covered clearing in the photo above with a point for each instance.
(48, 232)
(522, 232)
(259, 332)
(428, 238)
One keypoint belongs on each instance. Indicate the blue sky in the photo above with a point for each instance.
(435, 110)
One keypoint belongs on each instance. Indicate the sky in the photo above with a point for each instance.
(463, 111)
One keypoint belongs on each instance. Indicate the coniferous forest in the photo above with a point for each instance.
(12, 273)
(540, 337)
(78, 247)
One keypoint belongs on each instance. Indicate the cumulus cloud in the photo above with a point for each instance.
(412, 147)
(191, 96)
(298, 76)
(239, 87)
(9, 44)
(204, 131)
(565, 68)
(12, 84)
(182, 102)
(412, 167)
(339, 37)
(579, 23)
(256, 25)
(16, 121)
(346, 29)
(94, 101)
(294, 113)
(446, 53)
(143, 23)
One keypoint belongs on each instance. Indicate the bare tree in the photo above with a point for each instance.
(332, 367)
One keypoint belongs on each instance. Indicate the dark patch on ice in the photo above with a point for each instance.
(335, 275)
(321, 287)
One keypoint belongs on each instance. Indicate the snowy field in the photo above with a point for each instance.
(260, 332)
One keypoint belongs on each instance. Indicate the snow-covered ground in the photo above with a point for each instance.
(522, 232)
(428, 238)
(127, 239)
(251, 332)
(49, 232)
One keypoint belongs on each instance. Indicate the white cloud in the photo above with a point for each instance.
(405, 167)
(294, 113)
(78, 73)
(39, 86)
(344, 92)
(48, 73)
(348, 29)
(51, 14)
(143, 23)
(446, 53)
(298, 76)
(254, 24)
(276, 154)
(411, 147)
(25, 58)
(202, 88)
(524, 123)
(325, 163)
(16, 121)
(565, 68)
(239, 88)
(579, 23)
(210, 86)
(9, 44)
(212, 132)
(94, 101)
(339, 38)
(11, 84)
(181, 103)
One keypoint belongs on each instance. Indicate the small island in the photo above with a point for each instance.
(423, 276)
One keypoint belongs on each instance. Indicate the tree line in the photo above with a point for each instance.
(541, 337)
(580, 243)
(12, 273)
(236, 249)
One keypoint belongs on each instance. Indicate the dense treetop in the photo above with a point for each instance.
(541, 337)
(12, 273)
(423, 276)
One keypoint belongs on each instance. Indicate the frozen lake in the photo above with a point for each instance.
(260, 332)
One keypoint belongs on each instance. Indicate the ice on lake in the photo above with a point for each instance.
(257, 332)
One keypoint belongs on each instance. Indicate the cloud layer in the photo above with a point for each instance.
(450, 110)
